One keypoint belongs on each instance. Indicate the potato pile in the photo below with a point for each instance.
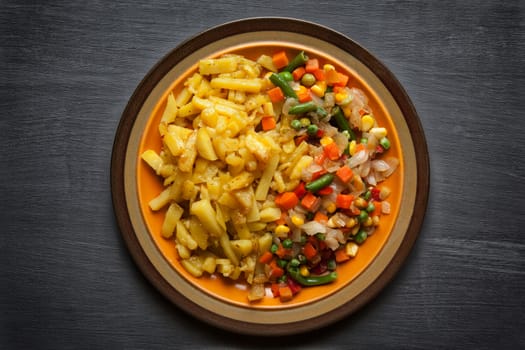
(221, 171)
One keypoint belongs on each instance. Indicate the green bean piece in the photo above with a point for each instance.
(321, 112)
(286, 75)
(342, 122)
(320, 183)
(302, 108)
(312, 280)
(279, 81)
(297, 61)
(384, 142)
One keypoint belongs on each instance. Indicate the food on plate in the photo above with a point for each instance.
(272, 171)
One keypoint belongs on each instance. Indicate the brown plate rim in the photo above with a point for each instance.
(267, 24)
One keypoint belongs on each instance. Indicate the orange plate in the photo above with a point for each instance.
(222, 302)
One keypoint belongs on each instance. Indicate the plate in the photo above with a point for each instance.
(222, 303)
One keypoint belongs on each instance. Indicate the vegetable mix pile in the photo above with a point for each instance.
(272, 170)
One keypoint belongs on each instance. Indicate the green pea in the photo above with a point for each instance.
(308, 79)
(312, 129)
(287, 243)
(296, 124)
(371, 207)
(282, 263)
(295, 262)
(363, 215)
(360, 236)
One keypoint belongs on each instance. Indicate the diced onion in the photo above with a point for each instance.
(380, 165)
(358, 158)
(313, 227)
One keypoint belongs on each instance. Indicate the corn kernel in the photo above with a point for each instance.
(351, 223)
(351, 249)
(367, 122)
(297, 220)
(347, 110)
(326, 140)
(301, 90)
(352, 147)
(331, 208)
(340, 97)
(368, 222)
(304, 271)
(361, 203)
(305, 122)
(375, 220)
(379, 133)
(282, 229)
(319, 88)
(328, 67)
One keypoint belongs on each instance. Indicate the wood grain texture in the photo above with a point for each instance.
(68, 69)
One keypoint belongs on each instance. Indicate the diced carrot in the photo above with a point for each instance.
(282, 252)
(319, 158)
(286, 200)
(299, 139)
(331, 151)
(275, 270)
(362, 112)
(268, 123)
(336, 78)
(360, 147)
(320, 217)
(312, 65)
(275, 94)
(342, 79)
(303, 94)
(341, 255)
(280, 59)
(275, 289)
(282, 219)
(266, 257)
(377, 208)
(343, 201)
(310, 201)
(319, 75)
(298, 73)
(309, 251)
(344, 173)
(318, 174)
(285, 294)
(300, 190)
(294, 286)
(337, 89)
(325, 191)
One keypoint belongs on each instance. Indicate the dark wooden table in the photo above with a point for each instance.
(67, 69)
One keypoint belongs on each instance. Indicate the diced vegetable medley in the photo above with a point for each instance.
(272, 171)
